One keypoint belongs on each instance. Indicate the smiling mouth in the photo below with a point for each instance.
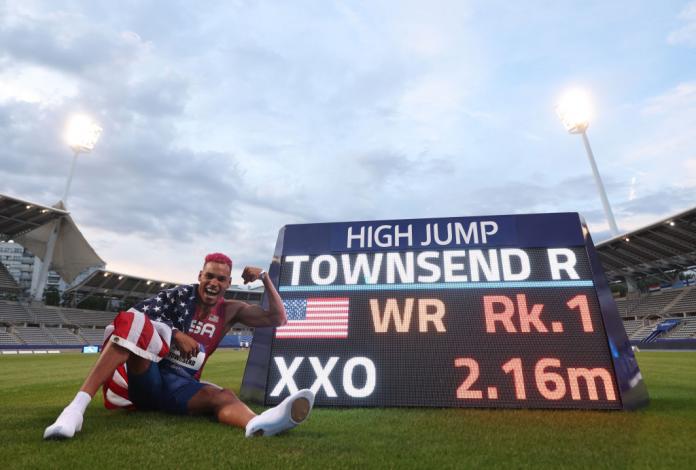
(211, 291)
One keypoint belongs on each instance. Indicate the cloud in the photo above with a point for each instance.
(43, 37)
(681, 97)
(660, 203)
(659, 138)
(134, 181)
(686, 35)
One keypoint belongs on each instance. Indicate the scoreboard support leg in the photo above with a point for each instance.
(634, 393)
(256, 372)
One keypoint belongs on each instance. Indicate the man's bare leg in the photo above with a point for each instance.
(70, 420)
(223, 404)
(230, 410)
(111, 357)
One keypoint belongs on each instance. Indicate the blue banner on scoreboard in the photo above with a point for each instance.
(533, 230)
(489, 311)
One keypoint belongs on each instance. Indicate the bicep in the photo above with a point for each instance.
(253, 315)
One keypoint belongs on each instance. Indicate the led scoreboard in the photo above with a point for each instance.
(500, 311)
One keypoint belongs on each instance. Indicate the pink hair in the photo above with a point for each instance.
(218, 258)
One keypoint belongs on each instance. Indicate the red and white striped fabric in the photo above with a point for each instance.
(148, 339)
(116, 390)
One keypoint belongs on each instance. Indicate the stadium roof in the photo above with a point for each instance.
(658, 250)
(18, 217)
(124, 286)
(72, 253)
(29, 224)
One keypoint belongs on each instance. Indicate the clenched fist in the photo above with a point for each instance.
(251, 274)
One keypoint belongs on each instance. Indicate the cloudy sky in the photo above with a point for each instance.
(224, 121)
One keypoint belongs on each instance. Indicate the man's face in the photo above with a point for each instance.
(214, 279)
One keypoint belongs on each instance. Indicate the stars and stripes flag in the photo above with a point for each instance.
(315, 318)
(133, 330)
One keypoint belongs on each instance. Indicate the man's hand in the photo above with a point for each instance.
(187, 346)
(250, 274)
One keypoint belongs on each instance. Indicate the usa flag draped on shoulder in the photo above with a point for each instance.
(146, 330)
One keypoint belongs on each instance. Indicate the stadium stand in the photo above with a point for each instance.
(632, 326)
(644, 313)
(42, 325)
(13, 313)
(92, 336)
(642, 332)
(686, 303)
(47, 315)
(78, 317)
(687, 329)
(33, 335)
(626, 305)
(8, 339)
(63, 336)
(622, 307)
(655, 303)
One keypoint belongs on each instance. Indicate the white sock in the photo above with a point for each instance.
(271, 414)
(80, 402)
(279, 418)
(70, 420)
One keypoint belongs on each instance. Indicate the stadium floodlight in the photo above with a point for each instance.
(574, 110)
(81, 135)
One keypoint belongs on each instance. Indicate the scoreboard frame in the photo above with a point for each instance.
(528, 231)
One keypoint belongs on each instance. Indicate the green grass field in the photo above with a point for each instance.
(33, 390)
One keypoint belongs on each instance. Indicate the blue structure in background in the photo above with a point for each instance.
(660, 329)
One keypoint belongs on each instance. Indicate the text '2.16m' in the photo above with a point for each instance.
(550, 379)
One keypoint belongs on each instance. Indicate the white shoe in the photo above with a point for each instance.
(284, 416)
(68, 423)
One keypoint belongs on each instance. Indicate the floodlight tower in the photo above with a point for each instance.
(81, 135)
(574, 111)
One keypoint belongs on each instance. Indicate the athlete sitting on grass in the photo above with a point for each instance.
(139, 370)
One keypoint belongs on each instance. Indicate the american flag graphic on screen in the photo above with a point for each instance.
(315, 318)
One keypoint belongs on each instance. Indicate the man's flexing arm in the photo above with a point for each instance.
(254, 315)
